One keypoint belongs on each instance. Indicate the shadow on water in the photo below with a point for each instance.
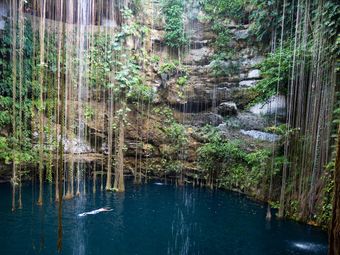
(153, 219)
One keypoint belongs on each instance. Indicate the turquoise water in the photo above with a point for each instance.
(153, 219)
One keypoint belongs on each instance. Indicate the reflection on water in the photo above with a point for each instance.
(310, 247)
(182, 227)
(153, 219)
(79, 245)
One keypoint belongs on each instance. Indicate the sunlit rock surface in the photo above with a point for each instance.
(261, 135)
(248, 83)
(275, 105)
(254, 74)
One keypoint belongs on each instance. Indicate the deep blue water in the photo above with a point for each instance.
(153, 219)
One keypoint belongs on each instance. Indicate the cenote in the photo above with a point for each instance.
(153, 219)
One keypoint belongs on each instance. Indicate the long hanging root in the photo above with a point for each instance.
(269, 213)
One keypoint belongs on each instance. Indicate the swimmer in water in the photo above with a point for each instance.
(95, 212)
(159, 183)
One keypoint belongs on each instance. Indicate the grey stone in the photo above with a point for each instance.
(241, 34)
(254, 74)
(247, 121)
(202, 119)
(263, 136)
(248, 83)
(275, 105)
(227, 109)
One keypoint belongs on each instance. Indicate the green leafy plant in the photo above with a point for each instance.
(170, 67)
(175, 36)
(88, 112)
(182, 81)
(275, 70)
(233, 9)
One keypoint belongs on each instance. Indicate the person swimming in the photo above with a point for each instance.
(95, 211)
(159, 183)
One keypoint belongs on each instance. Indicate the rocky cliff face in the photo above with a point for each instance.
(206, 98)
(210, 96)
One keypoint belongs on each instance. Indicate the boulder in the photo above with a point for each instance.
(254, 74)
(275, 105)
(247, 121)
(241, 34)
(259, 135)
(202, 119)
(248, 83)
(227, 109)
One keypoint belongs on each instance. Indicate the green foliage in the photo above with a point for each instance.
(171, 166)
(217, 154)
(141, 93)
(127, 77)
(324, 212)
(171, 67)
(101, 60)
(222, 68)
(330, 16)
(174, 152)
(165, 112)
(175, 36)
(5, 113)
(265, 18)
(233, 9)
(235, 167)
(88, 112)
(182, 81)
(4, 149)
(9, 152)
(127, 83)
(279, 130)
(275, 70)
(155, 59)
(219, 13)
(14, 148)
(223, 40)
(176, 134)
